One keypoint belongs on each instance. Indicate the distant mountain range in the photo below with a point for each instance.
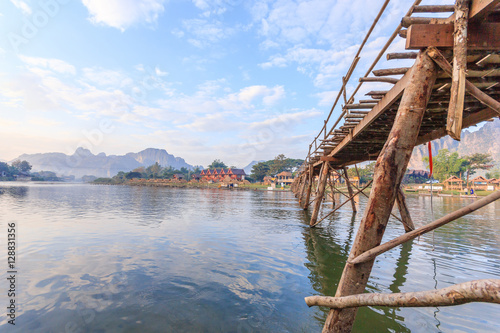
(248, 168)
(484, 140)
(83, 162)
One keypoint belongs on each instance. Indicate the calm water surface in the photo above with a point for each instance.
(135, 259)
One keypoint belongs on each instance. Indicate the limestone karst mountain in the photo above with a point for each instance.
(484, 140)
(83, 162)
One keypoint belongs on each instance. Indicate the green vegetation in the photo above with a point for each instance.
(154, 171)
(478, 161)
(365, 173)
(446, 164)
(217, 164)
(494, 173)
(16, 169)
(273, 167)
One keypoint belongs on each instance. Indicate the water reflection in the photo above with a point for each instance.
(118, 259)
(15, 191)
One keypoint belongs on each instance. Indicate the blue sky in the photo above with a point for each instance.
(229, 79)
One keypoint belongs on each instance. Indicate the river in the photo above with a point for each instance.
(96, 258)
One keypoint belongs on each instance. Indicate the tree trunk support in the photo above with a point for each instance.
(389, 170)
(323, 177)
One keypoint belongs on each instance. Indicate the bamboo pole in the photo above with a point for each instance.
(490, 102)
(487, 290)
(372, 253)
(389, 170)
(457, 91)
(403, 210)
(321, 191)
(349, 189)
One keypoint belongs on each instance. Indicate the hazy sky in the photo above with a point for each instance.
(230, 79)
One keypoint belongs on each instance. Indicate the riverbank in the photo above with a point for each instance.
(238, 185)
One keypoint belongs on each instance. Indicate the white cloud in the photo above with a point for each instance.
(121, 14)
(269, 95)
(211, 7)
(52, 64)
(205, 32)
(326, 98)
(159, 72)
(106, 77)
(213, 123)
(43, 122)
(23, 6)
(285, 120)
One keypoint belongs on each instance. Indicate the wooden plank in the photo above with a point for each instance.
(329, 159)
(480, 8)
(481, 36)
(457, 90)
(470, 87)
(387, 100)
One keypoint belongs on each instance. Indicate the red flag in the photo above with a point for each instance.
(430, 157)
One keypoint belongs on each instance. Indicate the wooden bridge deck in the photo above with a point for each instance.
(368, 122)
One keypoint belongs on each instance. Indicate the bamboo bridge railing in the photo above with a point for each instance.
(453, 84)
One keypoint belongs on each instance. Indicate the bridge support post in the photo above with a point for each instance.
(309, 187)
(301, 190)
(332, 189)
(323, 177)
(403, 210)
(389, 170)
(349, 189)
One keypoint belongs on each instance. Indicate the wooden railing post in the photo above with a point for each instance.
(389, 170)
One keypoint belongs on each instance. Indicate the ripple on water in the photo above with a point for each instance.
(126, 259)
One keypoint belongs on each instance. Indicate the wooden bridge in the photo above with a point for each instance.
(453, 84)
